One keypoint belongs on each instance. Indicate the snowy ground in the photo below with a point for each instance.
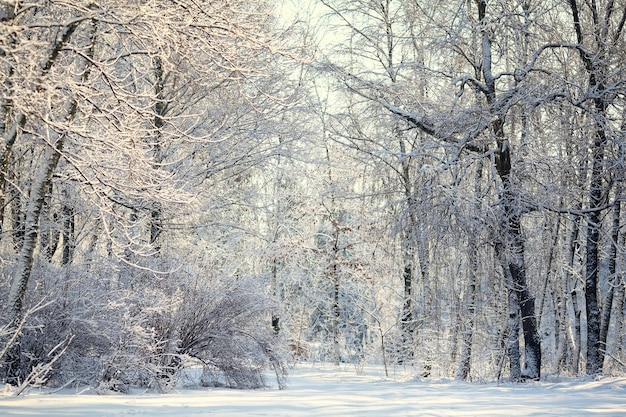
(316, 390)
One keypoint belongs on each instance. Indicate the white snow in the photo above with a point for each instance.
(323, 390)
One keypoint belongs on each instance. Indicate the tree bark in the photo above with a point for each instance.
(594, 56)
(408, 320)
(9, 139)
(594, 364)
(25, 257)
(69, 238)
(38, 189)
(573, 247)
(161, 108)
(511, 223)
(512, 344)
(333, 275)
(464, 369)
(607, 307)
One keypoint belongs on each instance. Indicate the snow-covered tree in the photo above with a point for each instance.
(113, 117)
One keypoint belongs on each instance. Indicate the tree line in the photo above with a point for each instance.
(217, 185)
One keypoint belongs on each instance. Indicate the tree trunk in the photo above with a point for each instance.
(607, 307)
(17, 214)
(31, 222)
(69, 240)
(511, 232)
(408, 320)
(8, 140)
(512, 344)
(572, 291)
(513, 348)
(560, 340)
(515, 263)
(25, 258)
(620, 302)
(333, 275)
(464, 369)
(39, 186)
(49, 235)
(336, 320)
(161, 107)
(594, 52)
(594, 363)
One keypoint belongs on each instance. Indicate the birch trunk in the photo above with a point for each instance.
(25, 259)
(40, 185)
(464, 369)
(607, 307)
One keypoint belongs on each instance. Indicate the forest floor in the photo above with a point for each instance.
(324, 390)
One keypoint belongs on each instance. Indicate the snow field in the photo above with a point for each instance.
(323, 390)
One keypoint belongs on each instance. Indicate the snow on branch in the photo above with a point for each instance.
(420, 122)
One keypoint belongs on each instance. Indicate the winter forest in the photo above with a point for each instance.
(240, 185)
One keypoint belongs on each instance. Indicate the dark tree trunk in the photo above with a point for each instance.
(607, 307)
(511, 223)
(595, 46)
(161, 108)
(407, 321)
(512, 344)
(513, 349)
(68, 235)
(333, 276)
(515, 263)
(594, 363)
(336, 318)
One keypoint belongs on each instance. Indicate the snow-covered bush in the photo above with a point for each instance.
(144, 333)
(227, 326)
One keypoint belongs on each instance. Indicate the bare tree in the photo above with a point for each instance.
(466, 125)
(598, 29)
